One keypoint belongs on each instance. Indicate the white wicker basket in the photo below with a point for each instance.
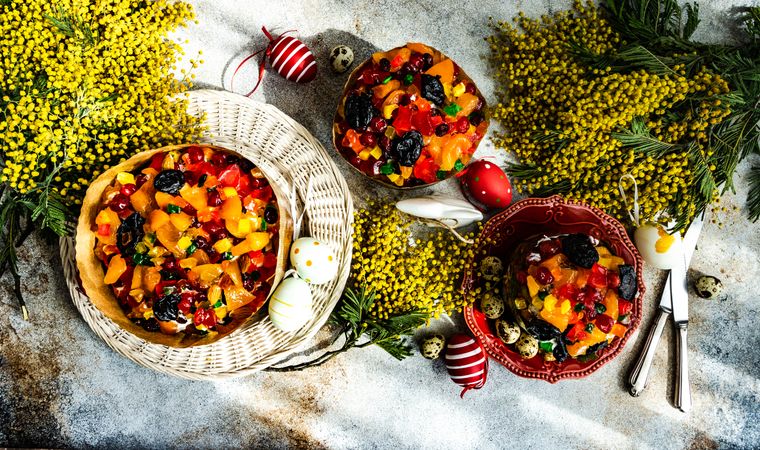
(267, 137)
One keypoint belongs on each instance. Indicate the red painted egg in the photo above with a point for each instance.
(292, 59)
(488, 184)
(466, 362)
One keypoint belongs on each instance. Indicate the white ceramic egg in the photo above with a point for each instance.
(658, 247)
(314, 261)
(290, 305)
(453, 212)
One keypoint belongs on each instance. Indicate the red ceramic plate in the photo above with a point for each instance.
(551, 216)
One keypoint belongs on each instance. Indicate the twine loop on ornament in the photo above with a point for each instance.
(635, 214)
(482, 382)
(453, 231)
(262, 64)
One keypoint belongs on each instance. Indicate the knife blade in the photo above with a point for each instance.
(679, 293)
(639, 376)
(689, 245)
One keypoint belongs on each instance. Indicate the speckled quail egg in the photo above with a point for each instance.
(508, 332)
(432, 346)
(491, 267)
(527, 346)
(707, 286)
(492, 305)
(341, 58)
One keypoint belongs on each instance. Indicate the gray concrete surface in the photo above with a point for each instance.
(61, 386)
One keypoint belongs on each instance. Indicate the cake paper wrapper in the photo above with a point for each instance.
(91, 270)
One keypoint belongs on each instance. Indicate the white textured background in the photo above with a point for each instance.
(61, 386)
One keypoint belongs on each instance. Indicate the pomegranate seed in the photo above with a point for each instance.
(604, 323)
(549, 248)
(128, 189)
(368, 139)
(219, 160)
(469, 88)
(140, 180)
(378, 124)
(463, 125)
(384, 143)
(214, 199)
(417, 61)
(544, 275)
(202, 243)
(119, 203)
(189, 210)
(427, 59)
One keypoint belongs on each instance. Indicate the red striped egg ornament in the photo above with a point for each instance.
(287, 55)
(291, 58)
(466, 362)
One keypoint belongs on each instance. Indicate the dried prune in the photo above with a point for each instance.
(560, 350)
(169, 181)
(579, 250)
(627, 288)
(358, 110)
(166, 307)
(432, 89)
(594, 349)
(130, 233)
(151, 325)
(543, 331)
(270, 214)
(407, 148)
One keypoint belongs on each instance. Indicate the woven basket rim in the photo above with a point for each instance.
(255, 130)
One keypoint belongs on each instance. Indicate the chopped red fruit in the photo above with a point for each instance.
(403, 121)
(104, 229)
(426, 170)
(577, 333)
(624, 307)
(613, 280)
(205, 317)
(195, 154)
(230, 176)
(421, 121)
(604, 323)
(157, 161)
(568, 291)
(598, 276)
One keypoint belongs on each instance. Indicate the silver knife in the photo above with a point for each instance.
(679, 293)
(639, 376)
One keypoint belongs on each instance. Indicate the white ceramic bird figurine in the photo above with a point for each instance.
(450, 212)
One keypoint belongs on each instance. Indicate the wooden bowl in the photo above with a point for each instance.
(551, 216)
(92, 273)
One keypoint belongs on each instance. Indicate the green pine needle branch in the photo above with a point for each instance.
(359, 329)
